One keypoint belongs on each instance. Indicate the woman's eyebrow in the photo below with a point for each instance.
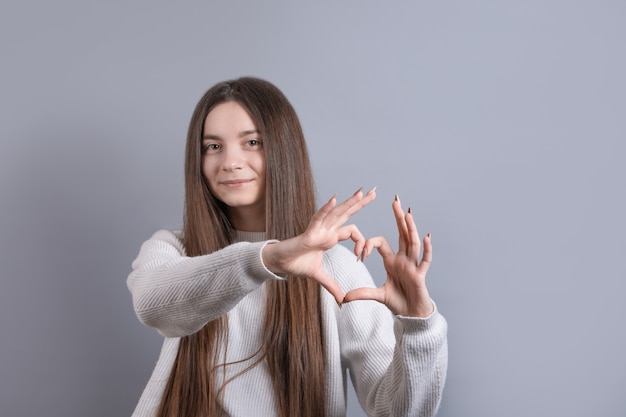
(248, 132)
(210, 137)
(241, 135)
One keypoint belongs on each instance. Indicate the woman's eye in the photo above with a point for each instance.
(254, 142)
(210, 147)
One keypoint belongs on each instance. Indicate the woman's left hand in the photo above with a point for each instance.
(405, 291)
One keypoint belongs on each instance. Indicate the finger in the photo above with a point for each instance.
(323, 211)
(375, 294)
(362, 202)
(401, 223)
(344, 205)
(427, 257)
(413, 243)
(352, 232)
(331, 286)
(379, 243)
(342, 212)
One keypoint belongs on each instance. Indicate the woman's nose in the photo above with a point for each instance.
(232, 160)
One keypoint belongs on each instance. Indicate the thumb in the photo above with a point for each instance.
(375, 294)
(330, 285)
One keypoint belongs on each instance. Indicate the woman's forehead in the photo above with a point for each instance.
(228, 118)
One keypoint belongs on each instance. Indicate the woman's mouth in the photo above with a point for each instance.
(235, 183)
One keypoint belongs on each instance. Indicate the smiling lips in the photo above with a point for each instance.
(235, 183)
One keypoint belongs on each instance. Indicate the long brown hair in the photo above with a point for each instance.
(293, 344)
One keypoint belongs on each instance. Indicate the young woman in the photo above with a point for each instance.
(250, 294)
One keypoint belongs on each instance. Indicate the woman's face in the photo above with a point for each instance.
(233, 164)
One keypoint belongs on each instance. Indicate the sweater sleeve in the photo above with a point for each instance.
(397, 364)
(178, 295)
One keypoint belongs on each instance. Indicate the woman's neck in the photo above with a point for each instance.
(247, 219)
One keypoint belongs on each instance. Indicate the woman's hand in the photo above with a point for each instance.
(301, 256)
(405, 291)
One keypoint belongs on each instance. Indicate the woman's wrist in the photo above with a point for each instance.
(268, 255)
(423, 307)
(273, 256)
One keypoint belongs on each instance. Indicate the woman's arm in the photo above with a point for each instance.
(178, 294)
(397, 364)
(404, 379)
(413, 382)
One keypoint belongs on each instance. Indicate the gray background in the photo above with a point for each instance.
(502, 123)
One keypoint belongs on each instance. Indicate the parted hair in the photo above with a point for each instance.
(293, 339)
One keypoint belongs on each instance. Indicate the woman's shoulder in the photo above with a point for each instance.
(167, 235)
(164, 238)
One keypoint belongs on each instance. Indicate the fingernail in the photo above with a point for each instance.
(358, 256)
(429, 237)
(363, 254)
(332, 198)
(409, 210)
(371, 191)
(358, 191)
(396, 198)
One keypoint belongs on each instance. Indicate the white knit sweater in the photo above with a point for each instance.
(397, 364)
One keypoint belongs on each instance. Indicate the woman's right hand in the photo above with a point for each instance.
(301, 256)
